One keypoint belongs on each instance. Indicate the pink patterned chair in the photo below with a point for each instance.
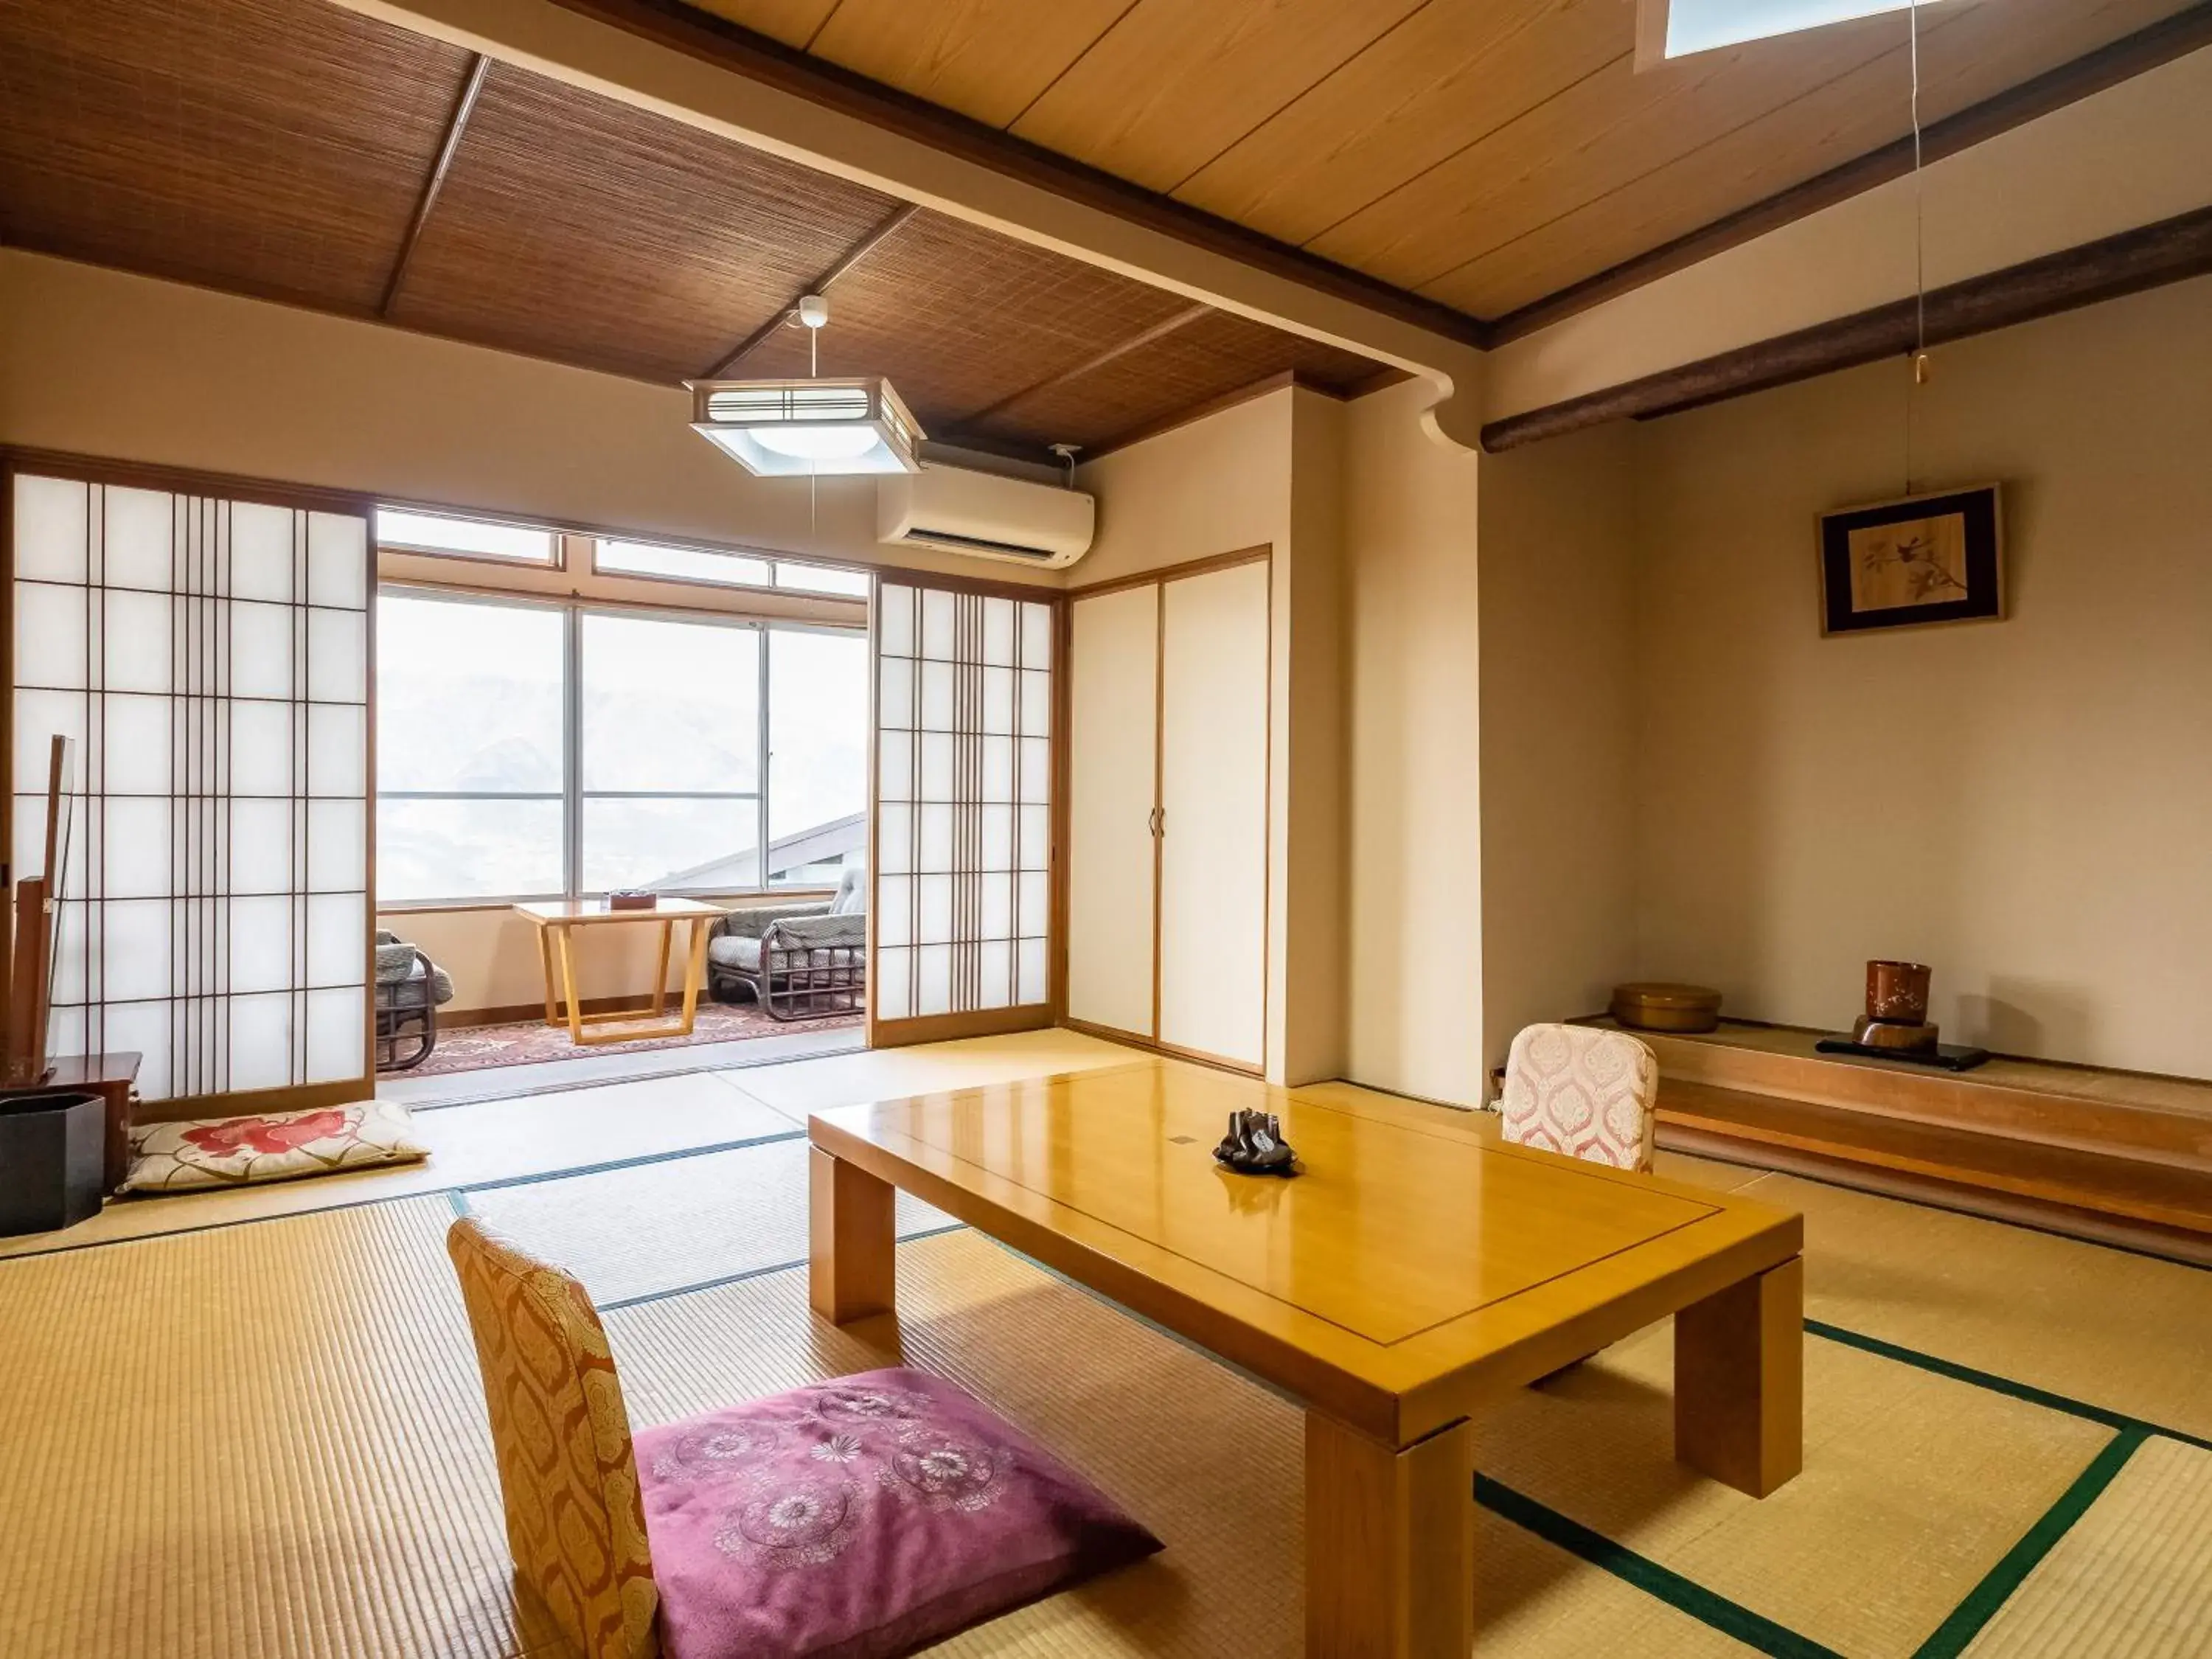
(1586, 1093)
(862, 1517)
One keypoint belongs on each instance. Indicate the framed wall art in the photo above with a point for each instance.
(1933, 558)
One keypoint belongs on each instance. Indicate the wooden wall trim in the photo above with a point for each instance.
(1167, 1050)
(106, 469)
(729, 45)
(2094, 72)
(950, 1028)
(1168, 572)
(952, 584)
(2171, 250)
(255, 1103)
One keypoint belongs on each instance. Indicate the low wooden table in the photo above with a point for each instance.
(557, 921)
(1417, 1271)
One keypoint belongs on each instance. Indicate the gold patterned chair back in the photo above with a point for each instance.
(574, 1520)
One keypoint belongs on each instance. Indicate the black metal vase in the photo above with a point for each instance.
(53, 1144)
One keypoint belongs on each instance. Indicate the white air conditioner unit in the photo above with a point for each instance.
(957, 511)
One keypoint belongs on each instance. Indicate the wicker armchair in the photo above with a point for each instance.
(409, 989)
(800, 961)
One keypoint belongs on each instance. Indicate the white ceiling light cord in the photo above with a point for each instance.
(1919, 251)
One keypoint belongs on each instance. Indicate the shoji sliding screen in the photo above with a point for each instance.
(963, 816)
(210, 657)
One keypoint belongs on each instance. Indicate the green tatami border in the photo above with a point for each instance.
(1951, 1637)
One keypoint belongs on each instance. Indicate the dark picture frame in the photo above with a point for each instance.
(1913, 562)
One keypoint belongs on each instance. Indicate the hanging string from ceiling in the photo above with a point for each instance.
(1919, 249)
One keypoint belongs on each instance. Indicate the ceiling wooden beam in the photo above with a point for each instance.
(875, 238)
(2170, 251)
(2094, 72)
(705, 36)
(463, 108)
(1158, 330)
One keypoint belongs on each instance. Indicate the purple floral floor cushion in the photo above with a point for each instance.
(860, 1519)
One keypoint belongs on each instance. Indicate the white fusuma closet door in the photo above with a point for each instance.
(1213, 803)
(1113, 750)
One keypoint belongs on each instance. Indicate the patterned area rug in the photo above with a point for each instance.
(472, 1048)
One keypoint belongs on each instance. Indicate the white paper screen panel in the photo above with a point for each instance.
(964, 816)
(211, 658)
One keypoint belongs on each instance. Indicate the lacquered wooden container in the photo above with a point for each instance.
(1658, 1005)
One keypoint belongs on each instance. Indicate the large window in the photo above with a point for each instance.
(470, 738)
(671, 753)
(530, 750)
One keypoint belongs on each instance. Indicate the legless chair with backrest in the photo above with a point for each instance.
(714, 1536)
(1586, 1093)
(575, 1521)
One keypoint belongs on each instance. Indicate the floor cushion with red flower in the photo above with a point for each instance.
(861, 1519)
(230, 1151)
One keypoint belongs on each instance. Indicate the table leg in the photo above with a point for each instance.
(852, 1272)
(695, 970)
(545, 956)
(1389, 1543)
(1739, 1381)
(660, 971)
(568, 985)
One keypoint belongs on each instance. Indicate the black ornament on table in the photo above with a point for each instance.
(1255, 1145)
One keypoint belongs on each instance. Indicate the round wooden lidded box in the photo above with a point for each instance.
(1663, 1007)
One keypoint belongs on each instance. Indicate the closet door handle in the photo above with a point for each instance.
(1156, 821)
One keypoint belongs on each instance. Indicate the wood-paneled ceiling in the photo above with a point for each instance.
(1485, 154)
(284, 149)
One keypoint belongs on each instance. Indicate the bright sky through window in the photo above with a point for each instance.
(1702, 25)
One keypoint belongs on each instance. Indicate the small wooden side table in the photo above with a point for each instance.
(114, 1078)
(556, 922)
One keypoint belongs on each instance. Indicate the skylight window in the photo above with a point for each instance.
(1694, 26)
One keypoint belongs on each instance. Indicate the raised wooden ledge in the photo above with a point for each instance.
(2123, 1158)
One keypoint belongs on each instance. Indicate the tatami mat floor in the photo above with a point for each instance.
(268, 1439)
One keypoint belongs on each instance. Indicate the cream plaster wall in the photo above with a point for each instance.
(1557, 701)
(1309, 902)
(2026, 805)
(1413, 952)
(1214, 485)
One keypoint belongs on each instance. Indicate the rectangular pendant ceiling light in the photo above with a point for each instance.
(801, 428)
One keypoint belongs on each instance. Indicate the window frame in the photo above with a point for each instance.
(774, 562)
(574, 607)
(556, 559)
